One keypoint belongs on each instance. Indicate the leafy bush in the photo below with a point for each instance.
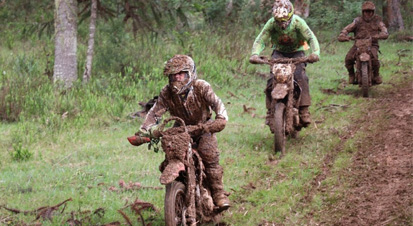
(20, 153)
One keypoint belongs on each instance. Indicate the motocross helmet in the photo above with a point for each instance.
(180, 63)
(368, 6)
(282, 12)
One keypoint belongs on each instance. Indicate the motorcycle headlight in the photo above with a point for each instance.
(282, 72)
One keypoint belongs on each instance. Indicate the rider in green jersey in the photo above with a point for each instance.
(288, 35)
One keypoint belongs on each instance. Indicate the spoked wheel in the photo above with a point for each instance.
(175, 207)
(365, 79)
(279, 128)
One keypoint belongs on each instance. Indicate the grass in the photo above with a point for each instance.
(84, 154)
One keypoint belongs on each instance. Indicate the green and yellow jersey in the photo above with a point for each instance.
(292, 39)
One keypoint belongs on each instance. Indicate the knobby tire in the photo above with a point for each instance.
(279, 128)
(365, 78)
(175, 204)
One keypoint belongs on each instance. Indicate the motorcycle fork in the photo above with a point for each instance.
(191, 188)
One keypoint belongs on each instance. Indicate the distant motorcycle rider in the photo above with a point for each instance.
(287, 33)
(192, 99)
(369, 25)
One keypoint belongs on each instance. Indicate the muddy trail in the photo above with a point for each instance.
(377, 189)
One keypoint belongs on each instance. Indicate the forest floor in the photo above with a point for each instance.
(377, 189)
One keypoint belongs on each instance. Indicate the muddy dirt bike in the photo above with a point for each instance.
(364, 68)
(286, 95)
(188, 199)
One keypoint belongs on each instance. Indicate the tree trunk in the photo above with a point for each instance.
(65, 65)
(392, 15)
(302, 8)
(92, 29)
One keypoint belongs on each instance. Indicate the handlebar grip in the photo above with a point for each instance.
(137, 140)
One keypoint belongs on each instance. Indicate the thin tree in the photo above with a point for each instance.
(302, 8)
(392, 15)
(65, 65)
(92, 29)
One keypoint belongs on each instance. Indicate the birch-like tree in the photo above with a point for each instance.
(65, 65)
(392, 15)
(92, 28)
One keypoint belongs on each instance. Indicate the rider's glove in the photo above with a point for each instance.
(214, 126)
(313, 58)
(343, 38)
(143, 132)
(255, 59)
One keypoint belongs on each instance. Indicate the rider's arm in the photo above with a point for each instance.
(383, 32)
(217, 106)
(262, 38)
(346, 30)
(156, 112)
(309, 36)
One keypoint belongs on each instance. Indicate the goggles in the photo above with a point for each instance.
(284, 19)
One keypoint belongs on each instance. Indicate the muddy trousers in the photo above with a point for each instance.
(208, 150)
(350, 60)
(299, 75)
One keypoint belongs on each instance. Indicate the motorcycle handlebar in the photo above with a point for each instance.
(265, 60)
(139, 139)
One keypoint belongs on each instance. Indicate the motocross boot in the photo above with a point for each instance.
(376, 78)
(268, 118)
(305, 116)
(214, 177)
(351, 77)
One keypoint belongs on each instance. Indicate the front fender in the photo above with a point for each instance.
(280, 91)
(171, 171)
(364, 57)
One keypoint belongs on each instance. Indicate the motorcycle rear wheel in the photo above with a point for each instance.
(279, 128)
(365, 78)
(175, 207)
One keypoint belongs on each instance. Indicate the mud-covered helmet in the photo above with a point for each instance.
(282, 11)
(368, 6)
(180, 63)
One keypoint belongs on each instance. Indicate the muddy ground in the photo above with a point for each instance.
(380, 178)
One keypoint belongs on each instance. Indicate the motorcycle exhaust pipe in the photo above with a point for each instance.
(137, 140)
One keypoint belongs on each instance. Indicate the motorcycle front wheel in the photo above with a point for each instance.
(365, 79)
(175, 207)
(279, 128)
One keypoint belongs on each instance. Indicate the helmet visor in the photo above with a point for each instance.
(282, 19)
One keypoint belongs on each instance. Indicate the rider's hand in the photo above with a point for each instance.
(343, 38)
(215, 126)
(313, 58)
(255, 59)
(143, 132)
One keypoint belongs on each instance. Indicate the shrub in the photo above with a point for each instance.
(20, 153)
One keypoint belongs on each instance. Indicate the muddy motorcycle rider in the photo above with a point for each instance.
(287, 34)
(192, 99)
(369, 25)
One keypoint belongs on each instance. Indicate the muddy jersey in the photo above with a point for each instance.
(290, 40)
(194, 108)
(363, 29)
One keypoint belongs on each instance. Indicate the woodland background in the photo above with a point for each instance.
(67, 107)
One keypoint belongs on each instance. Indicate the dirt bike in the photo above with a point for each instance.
(286, 95)
(188, 199)
(364, 68)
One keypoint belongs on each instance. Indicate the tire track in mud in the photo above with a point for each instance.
(380, 175)
(329, 159)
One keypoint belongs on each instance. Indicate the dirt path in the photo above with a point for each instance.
(381, 173)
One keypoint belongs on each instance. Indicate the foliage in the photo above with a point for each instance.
(20, 153)
(335, 16)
